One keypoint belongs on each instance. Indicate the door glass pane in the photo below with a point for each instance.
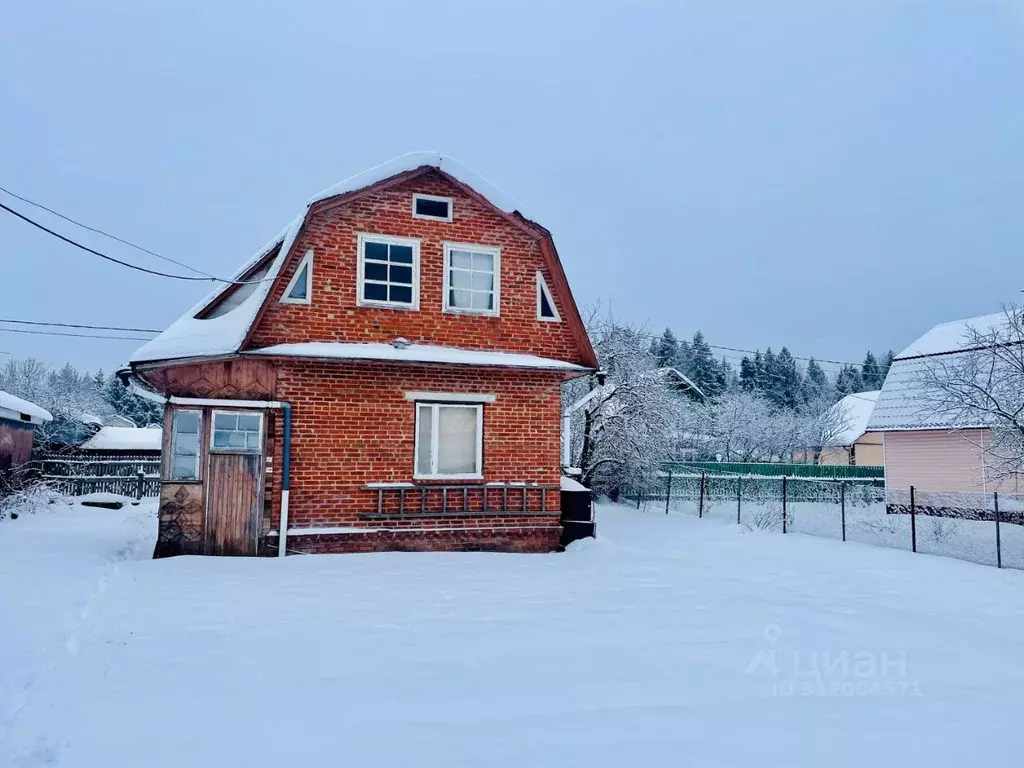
(456, 445)
(423, 438)
(186, 421)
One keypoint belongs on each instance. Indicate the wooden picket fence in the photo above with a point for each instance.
(76, 476)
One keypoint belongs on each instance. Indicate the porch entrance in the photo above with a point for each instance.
(235, 490)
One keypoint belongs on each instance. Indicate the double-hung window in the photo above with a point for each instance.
(389, 272)
(184, 463)
(472, 279)
(449, 441)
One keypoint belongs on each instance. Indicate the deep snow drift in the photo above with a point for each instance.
(669, 641)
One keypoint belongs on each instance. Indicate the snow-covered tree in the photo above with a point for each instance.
(666, 350)
(849, 381)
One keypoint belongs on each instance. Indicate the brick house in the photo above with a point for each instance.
(385, 374)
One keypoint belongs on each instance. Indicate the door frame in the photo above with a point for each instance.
(260, 477)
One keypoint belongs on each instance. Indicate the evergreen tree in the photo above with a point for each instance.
(815, 383)
(870, 373)
(783, 380)
(849, 381)
(666, 352)
(703, 368)
(748, 374)
(885, 365)
(99, 380)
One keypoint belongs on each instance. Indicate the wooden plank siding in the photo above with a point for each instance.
(233, 505)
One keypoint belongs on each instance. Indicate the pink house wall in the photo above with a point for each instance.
(938, 460)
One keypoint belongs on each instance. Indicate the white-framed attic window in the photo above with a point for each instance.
(472, 279)
(389, 272)
(300, 289)
(546, 309)
(432, 207)
(449, 441)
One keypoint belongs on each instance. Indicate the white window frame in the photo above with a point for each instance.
(306, 263)
(199, 448)
(366, 237)
(493, 251)
(438, 199)
(233, 412)
(435, 409)
(542, 289)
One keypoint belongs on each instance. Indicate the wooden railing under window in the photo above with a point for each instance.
(432, 500)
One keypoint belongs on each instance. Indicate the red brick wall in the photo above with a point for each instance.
(334, 316)
(351, 425)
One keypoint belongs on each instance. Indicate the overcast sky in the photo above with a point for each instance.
(832, 176)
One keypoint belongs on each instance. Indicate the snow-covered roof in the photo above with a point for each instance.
(190, 336)
(903, 403)
(568, 484)
(12, 407)
(856, 410)
(412, 353)
(125, 439)
(952, 336)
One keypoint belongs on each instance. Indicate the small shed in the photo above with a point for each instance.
(18, 421)
(854, 444)
(126, 442)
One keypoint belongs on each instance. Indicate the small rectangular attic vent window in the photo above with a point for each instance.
(432, 207)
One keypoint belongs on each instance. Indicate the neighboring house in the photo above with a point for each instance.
(133, 442)
(924, 448)
(386, 374)
(854, 444)
(679, 381)
(18, 421)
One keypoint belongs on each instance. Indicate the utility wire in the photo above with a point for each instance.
(76, 335)
(87, 249)
(90, 327)
(206, 276)
(129, 243)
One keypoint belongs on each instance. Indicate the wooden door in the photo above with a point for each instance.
(233, 512)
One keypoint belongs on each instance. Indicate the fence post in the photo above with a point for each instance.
(913, 521)
(784, 504)
(842, 506)
(700, 502)
(668, 490)
(140, 483)
(739, 497)
(78, 486)
(999, 545)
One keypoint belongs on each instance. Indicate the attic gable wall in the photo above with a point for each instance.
(334, 315)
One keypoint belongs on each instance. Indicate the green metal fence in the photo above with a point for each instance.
(820, 471)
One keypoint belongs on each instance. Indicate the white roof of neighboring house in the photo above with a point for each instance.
(856, 409)
(192, 337)
(902, 404)
(411, 353)
(12, 407)
(125, 439)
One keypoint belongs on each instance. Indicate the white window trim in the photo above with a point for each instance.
(199, 449)
(213, 428)
(436, 198)
(450, 397)
(542, 289)
(435, 435)
(366, 237)
(307, 261)
(496, 253)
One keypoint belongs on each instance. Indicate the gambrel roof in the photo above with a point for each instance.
(203, 333)
(903, 403)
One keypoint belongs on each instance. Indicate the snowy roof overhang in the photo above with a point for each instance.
(196, 336)
(856, 409)
(125, 439)
(423, 354)
(15, 408)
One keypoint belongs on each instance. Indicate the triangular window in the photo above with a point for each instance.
(546, 309)
(300, 289)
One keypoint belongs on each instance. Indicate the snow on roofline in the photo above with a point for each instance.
(190, 337)
(413, 353)
(17, 405)
(952, 336)
(125, 439)
(856, 408)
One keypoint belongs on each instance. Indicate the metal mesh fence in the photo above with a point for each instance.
(986, 528)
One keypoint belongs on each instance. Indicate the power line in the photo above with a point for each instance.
(87, 249)
(90, 327)
(129, 243)
(76, 335)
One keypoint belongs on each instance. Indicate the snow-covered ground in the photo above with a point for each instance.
(668, 641)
